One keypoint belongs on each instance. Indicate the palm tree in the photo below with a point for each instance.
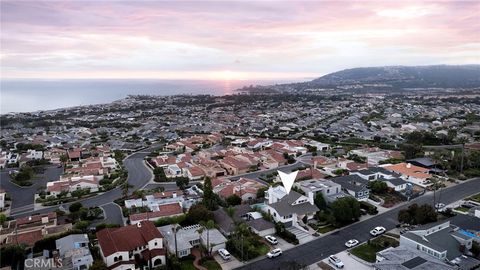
(175, 229)
(125, 186)
(231, 211)
(63, 160)
(206, 227)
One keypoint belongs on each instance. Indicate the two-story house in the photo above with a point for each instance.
(291, 208)
(329, 189)
(121, 248)
(354, 185)
(440, 240)
(74, 251)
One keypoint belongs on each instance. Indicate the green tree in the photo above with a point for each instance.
(64, 159)
(182, 182)
(13, 255)
(125, 186)
(98, 265)
(231, 211)
(345, 210)
(82, 225)
(320, 201)
(206, 226)
(378, 187)
(74, 207)
(234, 200)
(415, 214)
(3, 219)
(198, 213)
(209, 198)
(159, 175)
(261, 192)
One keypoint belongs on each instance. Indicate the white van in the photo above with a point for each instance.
(224, 254)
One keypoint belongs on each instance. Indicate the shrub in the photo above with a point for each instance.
(371, 209)
(287, 235)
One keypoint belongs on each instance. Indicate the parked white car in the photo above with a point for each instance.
(439, 205)
(224, 254)
(351, 243)
(335, 261)
(377, 231)
(272, 240)
(274, 253)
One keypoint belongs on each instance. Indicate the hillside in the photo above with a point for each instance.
(465, 76)
(389, 78)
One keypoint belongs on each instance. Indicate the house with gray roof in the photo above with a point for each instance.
(242, 213)
(392, 179)
(441, 240)
(74, 251)
(291, 208)
(186, 238)
(329, 189)
(354, 185)
(404, 258)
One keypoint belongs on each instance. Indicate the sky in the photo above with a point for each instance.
(230, 40)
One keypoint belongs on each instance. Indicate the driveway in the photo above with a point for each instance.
(333, 243)
(22, 197)
(349, 262)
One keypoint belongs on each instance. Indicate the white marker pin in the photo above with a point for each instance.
(287, 179)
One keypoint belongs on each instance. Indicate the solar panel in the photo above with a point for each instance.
(410, 264)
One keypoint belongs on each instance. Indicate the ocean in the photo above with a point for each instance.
(33, 95)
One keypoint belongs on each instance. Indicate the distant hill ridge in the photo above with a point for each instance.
(407, 76)
(388, 78)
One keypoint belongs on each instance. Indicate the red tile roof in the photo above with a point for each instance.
(35, 218)
(165, 210)
(149, 254)
(28, 238)
(127, 238)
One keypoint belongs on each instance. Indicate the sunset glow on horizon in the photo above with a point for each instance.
(230, 40)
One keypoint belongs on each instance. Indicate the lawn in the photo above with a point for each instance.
(263, 249)
(187, 264)
(475, 198)
(211, 265)
(461, 209)
(368, 251)
(325, 229)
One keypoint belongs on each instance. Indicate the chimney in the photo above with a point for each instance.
(310, 197)
(409, 165)
(174, 195)
(139, 224)
(268, 194)
(315, 164)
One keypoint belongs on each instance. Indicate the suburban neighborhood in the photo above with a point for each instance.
(195, 182)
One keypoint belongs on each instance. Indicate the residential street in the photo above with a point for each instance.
(321, 248)
(22, 197)
(138, 176)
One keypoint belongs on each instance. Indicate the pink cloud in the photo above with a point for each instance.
(262, 36)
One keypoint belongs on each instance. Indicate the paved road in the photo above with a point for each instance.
(321, 248)
(22, 197)
(113, 214)
(256, 175)
(138, 176)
